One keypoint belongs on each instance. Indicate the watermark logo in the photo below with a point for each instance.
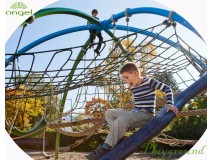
(152, 148)
(19, 5)
(19, 9)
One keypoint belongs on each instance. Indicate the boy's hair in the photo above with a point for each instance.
(129, 67)
(94, 11)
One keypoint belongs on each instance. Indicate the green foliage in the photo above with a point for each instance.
(191, 127)
(80, 127)
(168, 79)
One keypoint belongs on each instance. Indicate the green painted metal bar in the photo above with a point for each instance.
(51, 11)
(58, 10)
(57, 145)
(79, 57)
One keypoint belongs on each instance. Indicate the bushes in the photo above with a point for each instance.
(189, 127)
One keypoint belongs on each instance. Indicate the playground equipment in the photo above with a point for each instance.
(158, 50)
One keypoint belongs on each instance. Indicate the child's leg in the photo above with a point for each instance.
(117, 131)
(99, 35)
(123, 123)
(92, 33)
(112, 114)
(119, 121)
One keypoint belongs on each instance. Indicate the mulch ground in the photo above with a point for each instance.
(81, 156)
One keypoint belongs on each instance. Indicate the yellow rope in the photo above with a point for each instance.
(75, 123)
(176, 142)
(166, 139)
(83, 133)
(193, 112)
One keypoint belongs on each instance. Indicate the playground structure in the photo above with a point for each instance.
(158, 50)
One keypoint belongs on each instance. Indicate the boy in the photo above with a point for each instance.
(93, 33)
(119, 121)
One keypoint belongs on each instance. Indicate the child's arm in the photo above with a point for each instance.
(165, 88)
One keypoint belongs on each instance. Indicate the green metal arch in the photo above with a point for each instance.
(59, 10)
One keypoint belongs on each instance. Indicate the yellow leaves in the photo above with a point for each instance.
(96, 107)
(107, 61)
(96, 72)
(27, 108)
(125, 42)
(128, 44)
(120, 95)
(194, 104)
(160, 94)
(100, 100)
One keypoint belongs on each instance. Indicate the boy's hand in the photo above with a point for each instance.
(172, 108)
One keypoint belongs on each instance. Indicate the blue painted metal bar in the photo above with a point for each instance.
(145, 32)
(155, 125)
(146, 10)
(201, 63)
(157, 11)
(161, 38)
(103, 24)
(48, 37)
(94, 26)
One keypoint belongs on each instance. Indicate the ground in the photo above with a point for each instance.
(81, 156)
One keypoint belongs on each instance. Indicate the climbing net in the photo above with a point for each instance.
(93, 81)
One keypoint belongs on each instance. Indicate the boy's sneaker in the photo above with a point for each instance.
(97, 52)
(97, 153)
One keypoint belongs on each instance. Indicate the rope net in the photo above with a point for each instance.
(152, 56)
(93, 81)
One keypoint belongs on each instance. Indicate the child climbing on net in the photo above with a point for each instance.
(93, 33)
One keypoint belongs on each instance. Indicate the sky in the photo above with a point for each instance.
(47, 25)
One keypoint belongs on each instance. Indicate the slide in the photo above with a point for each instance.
(37, 129)
(155, 125)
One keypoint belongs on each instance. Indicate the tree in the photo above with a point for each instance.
(96, 107)
(181, 126)
(32, 106)
(27, 108)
